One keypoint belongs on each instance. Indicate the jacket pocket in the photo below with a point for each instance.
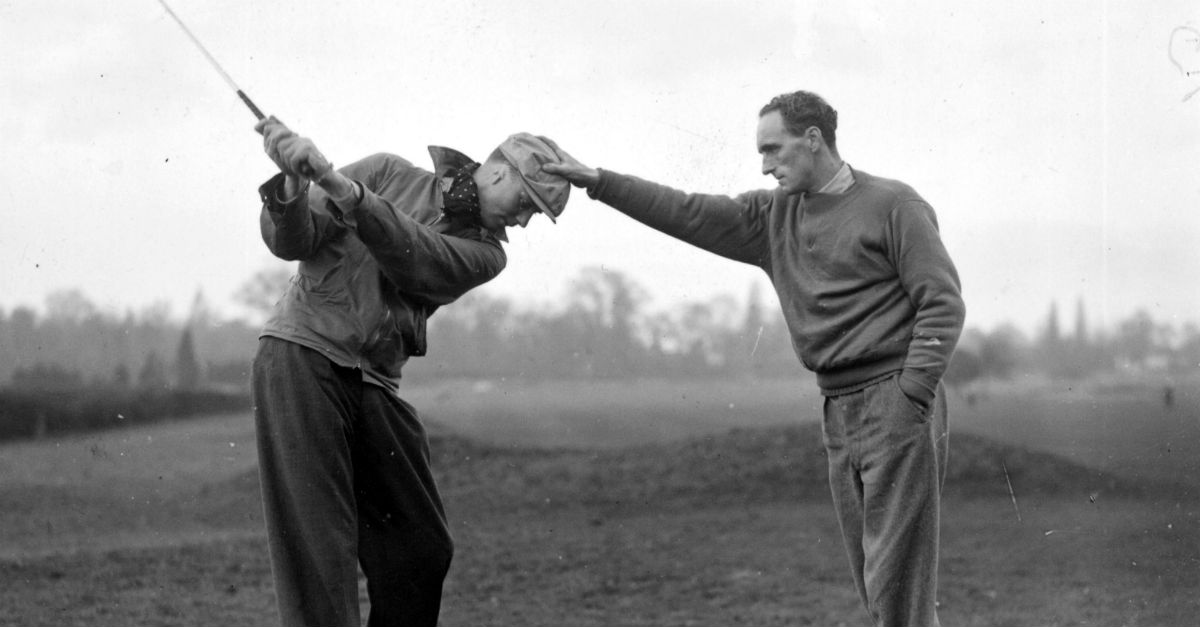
(399, 335)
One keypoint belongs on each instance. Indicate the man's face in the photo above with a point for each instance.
(788, 158)
(502, 200)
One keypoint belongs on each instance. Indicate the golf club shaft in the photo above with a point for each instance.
(217, 66)
(305, 170)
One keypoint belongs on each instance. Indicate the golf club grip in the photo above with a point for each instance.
(305, 170)
(253, 109)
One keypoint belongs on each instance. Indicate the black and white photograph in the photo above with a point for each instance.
(603, 313)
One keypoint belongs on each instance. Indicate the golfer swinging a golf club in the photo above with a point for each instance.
(344, 462)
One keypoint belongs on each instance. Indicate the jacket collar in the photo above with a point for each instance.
(445, 161)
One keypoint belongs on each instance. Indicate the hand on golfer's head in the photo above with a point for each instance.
(294, 155)
(571, 169)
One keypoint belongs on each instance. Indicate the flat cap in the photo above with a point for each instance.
(527, 153)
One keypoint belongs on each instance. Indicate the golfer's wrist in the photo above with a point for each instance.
(342, 191)
(291, 189)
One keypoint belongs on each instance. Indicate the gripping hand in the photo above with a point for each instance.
(295, 156)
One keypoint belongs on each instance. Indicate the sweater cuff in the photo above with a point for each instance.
(598, 191)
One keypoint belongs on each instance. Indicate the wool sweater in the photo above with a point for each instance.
(866, 285)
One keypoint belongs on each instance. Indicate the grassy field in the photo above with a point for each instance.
(636, 504)
(1120, 427)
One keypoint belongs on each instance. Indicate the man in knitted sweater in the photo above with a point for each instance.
(874, 307)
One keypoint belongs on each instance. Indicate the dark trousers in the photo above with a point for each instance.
(887, 462)
(346, 482)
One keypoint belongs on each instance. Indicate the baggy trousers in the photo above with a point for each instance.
(346, 481)
(887, 463)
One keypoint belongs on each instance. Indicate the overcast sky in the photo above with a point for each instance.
(1055, 140)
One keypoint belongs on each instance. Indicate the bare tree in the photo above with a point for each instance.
(262, 290)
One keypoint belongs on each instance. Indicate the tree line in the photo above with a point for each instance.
(1135, 345)
(602, 327)
(74, 344)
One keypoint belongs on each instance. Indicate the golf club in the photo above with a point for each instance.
(217, 66)
(305, 169)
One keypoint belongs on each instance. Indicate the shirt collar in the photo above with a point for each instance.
(840, 182)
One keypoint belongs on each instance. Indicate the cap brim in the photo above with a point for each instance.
(537, 200)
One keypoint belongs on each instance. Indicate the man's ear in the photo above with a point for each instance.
(496, 174)
(815, 139)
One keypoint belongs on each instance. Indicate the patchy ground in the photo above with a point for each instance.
(160, 526)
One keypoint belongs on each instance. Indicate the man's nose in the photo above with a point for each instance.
(767, 166)
(523, 218)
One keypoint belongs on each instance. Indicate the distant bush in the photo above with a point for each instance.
(33, 413)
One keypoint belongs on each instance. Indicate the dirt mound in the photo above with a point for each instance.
(752, 465)
(742, 465)
(981, 467)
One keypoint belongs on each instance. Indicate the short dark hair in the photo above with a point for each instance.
(802, 109)
(497, 156)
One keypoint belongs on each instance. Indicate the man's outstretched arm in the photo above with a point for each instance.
(734, 228)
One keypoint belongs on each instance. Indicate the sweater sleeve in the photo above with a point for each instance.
(734, 228)
(929, 277)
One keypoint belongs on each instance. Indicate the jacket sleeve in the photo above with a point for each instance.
(431, 267)
(931, 280)
(734, 228)
(291, 230)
